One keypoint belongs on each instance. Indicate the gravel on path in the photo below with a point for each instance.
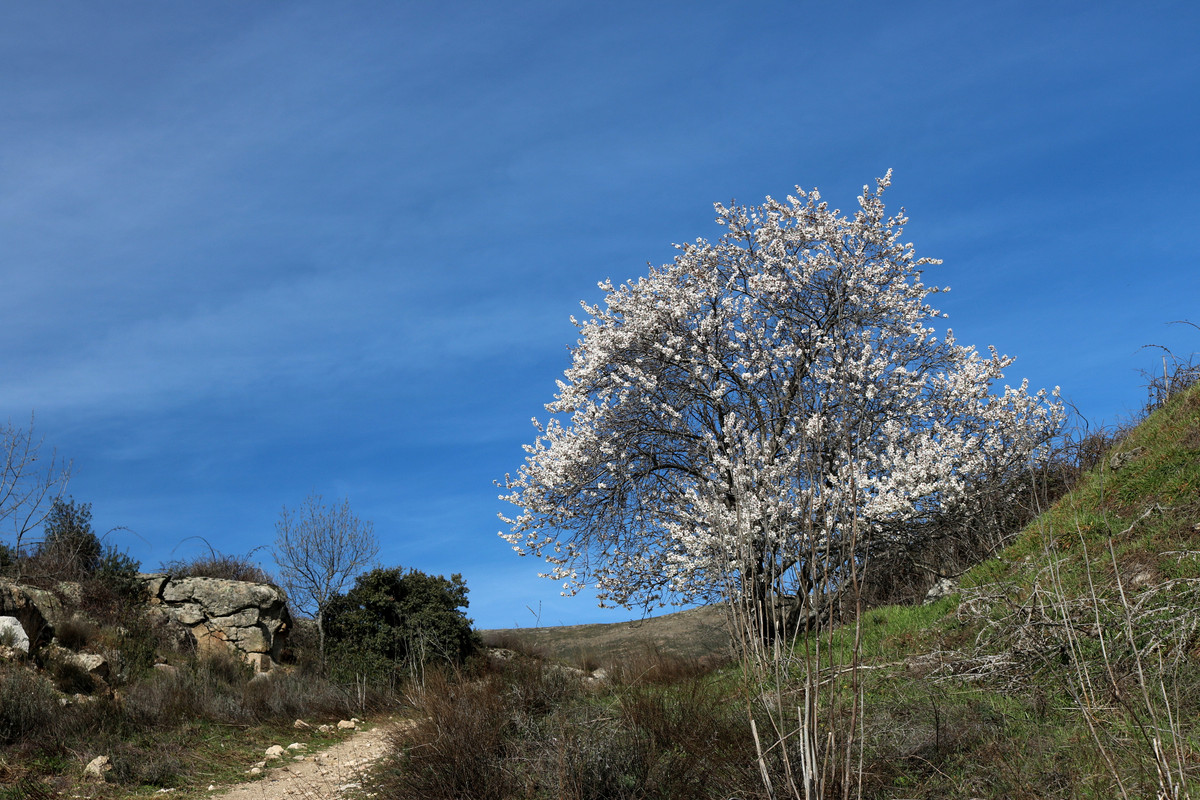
(325, 774)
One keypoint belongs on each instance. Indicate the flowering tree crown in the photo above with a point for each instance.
(729, 419)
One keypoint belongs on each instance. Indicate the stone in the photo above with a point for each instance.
(96, 665)
(346, 725)
(12, 634)
(301, 725)
(33, 608)
(297, 746)
(325, 729)
(97, 767)
(1119, 460)
(274, 751)
(254, 771)
(250, 619)
(943, 588)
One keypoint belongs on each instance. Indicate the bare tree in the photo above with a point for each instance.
(319, 550)
(30, 482)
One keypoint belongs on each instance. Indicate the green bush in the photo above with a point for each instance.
(70, 547)
(393, 619)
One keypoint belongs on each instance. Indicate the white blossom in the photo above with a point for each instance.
(737, 410)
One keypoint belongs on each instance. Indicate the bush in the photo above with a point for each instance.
(70, 549)
(71, 678)
(75, 633)
(393, 619)
(134, 766)
(27, 704)
(524, 729)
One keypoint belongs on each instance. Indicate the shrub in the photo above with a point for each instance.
(27, 704)
(70, 548)
(141, 767)
(526, 729)
(394, 618)
(71, 678)
(75, 633)
(218, 565)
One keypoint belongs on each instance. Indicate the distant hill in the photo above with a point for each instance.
(693, 633)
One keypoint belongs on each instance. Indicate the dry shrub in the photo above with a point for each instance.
(75, 633)
(524, 728)
(135, 766)
(652, 666)
(218, 565)
(71, 678)
(288, 694)
(27, 704)
(460, 749)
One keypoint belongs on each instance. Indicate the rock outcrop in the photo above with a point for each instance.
(250, 618)
(37, 610)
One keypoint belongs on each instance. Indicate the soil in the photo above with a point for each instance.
(329, 773)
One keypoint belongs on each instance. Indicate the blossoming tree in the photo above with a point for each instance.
(753, 420)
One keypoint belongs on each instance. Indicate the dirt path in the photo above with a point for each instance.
(325, 774)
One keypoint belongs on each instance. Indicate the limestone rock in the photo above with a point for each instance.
(251, 619)
(943, 588)
(346, 725)
(301, 725)
(274, 751)
(96, 665)
(13, 635)
(297, 746)
(36, 610)
(97, 767)
(1119, 460)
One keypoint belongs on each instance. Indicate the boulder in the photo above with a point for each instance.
(36, 610)
(13, 635)
(251, 619)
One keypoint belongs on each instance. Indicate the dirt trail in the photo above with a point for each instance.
(325, 774)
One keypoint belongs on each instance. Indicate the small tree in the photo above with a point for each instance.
(29, 483)
(392, 618)
(319, 549)
(69, 546)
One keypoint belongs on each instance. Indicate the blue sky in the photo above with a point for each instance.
(256, 250)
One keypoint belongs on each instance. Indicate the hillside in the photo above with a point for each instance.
(1065, 666)
(693, 633)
